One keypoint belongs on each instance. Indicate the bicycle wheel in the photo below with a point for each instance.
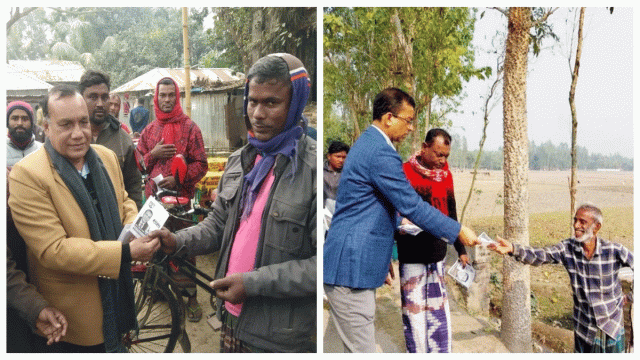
(158, 316)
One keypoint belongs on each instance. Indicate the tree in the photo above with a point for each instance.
(243, 35)
(16, 14)
(574, 119)
(426, 51)
(353, 60)
(487, 109)
(516, 316)
(123, 42)
(516, 313)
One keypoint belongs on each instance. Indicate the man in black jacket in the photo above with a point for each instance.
(106, 130)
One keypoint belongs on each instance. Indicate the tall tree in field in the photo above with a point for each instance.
(516, 314)
(516, 303)
(574, 118)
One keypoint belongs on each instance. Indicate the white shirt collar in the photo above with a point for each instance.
(386, 137)
(85, 170)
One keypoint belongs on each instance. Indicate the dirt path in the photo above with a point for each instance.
(470, 334)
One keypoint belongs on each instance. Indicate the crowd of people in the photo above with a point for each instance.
(74, 179)
(71, 192)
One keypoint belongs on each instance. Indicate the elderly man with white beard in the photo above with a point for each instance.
(593, 264)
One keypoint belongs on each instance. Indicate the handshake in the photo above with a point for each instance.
(143, 248)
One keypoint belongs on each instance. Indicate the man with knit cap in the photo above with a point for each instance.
(263, 221)
(21, 140)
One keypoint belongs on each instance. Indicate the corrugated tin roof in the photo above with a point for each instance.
(17, 80)
(50, 70)
(208, 79)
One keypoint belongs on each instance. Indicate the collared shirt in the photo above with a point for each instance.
(386, 137)
(597, 292)
(84, 172)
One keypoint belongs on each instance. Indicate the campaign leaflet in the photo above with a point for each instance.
(464, 276)
(151, 217)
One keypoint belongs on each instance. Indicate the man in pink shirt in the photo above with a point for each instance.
(263, 220)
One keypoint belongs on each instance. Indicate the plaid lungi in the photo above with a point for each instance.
(602, 343)
(228, 342)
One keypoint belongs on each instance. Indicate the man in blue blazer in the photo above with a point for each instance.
(373, 191)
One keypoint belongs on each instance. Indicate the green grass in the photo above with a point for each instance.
(553, 302)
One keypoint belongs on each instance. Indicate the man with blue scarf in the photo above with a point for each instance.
(263, 220)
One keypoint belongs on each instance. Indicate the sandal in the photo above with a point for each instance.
(194, 314)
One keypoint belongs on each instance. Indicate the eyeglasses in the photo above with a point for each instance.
(409, 121)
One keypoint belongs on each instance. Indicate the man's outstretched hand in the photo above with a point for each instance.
(502, 247)
(468, 237)
(167, 240)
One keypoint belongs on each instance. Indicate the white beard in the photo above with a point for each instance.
(586, 236)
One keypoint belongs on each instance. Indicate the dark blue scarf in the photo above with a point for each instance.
(285, 143)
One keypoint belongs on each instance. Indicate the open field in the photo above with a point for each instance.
(548, 191)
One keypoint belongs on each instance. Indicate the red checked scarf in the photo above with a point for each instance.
(175, 128)
(434, 186)
(172, 121)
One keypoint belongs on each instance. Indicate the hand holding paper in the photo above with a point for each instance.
(502, 246)
(485, 240)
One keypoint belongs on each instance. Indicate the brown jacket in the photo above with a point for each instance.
(64, 263)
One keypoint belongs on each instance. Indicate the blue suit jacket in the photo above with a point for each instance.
(372, 190)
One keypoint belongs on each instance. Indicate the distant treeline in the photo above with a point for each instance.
(545, 156)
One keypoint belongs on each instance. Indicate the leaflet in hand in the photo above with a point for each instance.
(151, 217)
(157, 180)
(464, 276)
(485, 240)
(410, 229)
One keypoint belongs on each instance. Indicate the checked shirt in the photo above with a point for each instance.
(597, 292)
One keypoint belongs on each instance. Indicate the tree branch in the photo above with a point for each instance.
(544, 17)
(19, 15)
(504, 12)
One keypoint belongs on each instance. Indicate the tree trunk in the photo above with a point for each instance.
(574, 121)
(516, 301)
(406, 70)
(187, 64)
(257, 30)
(418, 137)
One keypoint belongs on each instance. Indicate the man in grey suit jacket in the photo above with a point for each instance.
(373, 190)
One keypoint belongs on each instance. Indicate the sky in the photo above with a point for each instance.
(604, 94)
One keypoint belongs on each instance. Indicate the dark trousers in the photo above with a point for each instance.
(20, 338)
(65, 347)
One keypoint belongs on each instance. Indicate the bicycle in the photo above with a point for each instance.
(158, 298)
